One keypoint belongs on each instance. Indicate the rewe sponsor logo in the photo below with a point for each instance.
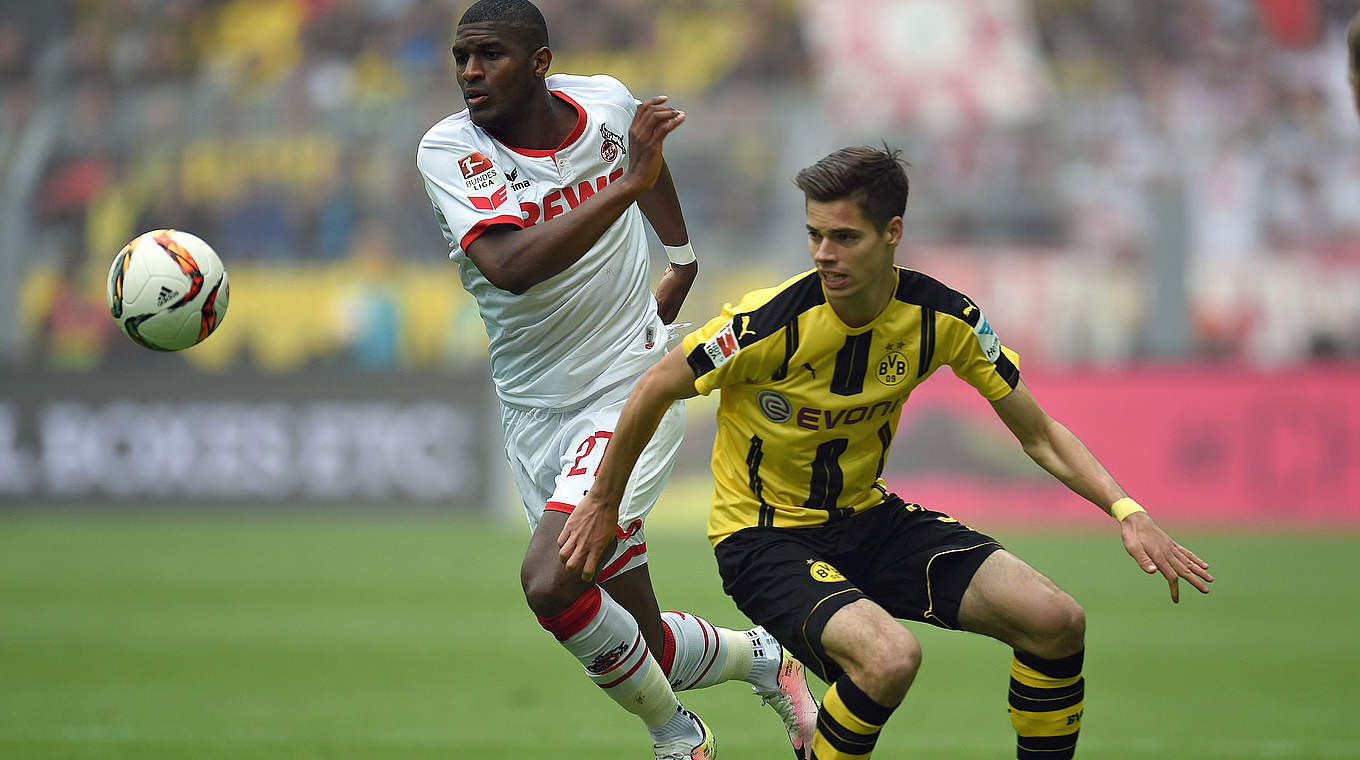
(564, 199)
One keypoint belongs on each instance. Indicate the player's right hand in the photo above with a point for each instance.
(652, 121)
(1155, 552)
(589, 529)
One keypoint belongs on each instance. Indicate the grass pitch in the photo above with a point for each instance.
(293, 638)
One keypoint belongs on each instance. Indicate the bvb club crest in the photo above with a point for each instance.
(892, 368)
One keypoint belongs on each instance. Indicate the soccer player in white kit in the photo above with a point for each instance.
(540, 187)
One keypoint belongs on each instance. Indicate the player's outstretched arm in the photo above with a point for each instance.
(1056, 449)
(515, 260)
(661, 206)
(592, 525)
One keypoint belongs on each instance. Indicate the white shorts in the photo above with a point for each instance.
(554, 455)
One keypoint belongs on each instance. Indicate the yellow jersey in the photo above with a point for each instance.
(809, 405)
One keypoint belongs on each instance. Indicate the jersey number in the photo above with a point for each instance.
(583, 451)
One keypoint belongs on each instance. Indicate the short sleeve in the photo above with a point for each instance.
(718, 357)
(614, 92)
(468, 191)
(975, 353)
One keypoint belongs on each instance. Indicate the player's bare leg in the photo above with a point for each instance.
(605, 638)
(1016, 604)
(880, 659)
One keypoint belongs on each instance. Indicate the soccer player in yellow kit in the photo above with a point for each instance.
(809, 542)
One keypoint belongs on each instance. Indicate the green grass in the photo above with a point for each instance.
(356, 638)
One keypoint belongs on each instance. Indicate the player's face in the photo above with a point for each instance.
(853, 257)
(495, 72)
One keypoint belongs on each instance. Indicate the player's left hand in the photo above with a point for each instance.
(589, 530)
(674, 286)
(1155, 551)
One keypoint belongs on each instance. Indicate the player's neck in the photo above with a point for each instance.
(544, 124)
(861, 309)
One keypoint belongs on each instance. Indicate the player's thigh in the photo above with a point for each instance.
(778, 578)
(870, 644)
(1014, 603)
(916, 562)
(585, 437)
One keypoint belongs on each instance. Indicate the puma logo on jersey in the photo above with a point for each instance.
(969, 309)
(745, 327)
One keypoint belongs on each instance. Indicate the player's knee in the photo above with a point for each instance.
(1059, 625)
(543, 591)
(894, 660)
(903, 662)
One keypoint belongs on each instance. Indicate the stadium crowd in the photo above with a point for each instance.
(283, 132)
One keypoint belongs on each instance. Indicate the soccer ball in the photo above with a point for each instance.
(168, 290)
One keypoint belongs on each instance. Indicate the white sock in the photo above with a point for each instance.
(681, 726)
(607, 641)
(768, 659)
(701, 654)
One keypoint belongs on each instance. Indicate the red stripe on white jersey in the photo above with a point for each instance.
(486, 224)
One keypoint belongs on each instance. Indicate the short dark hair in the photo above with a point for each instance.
(521, 15)
(874, 179)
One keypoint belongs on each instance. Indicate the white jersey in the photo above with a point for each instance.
(590, 326)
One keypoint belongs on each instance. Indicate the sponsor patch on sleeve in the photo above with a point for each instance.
(987, 339)
(485, 185)
(721, 346)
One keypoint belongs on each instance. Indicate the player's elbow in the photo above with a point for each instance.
(1039, 446)
(504, 261)
(508, 278)
(517, 286)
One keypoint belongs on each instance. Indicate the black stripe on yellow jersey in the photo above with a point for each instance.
(810, 405)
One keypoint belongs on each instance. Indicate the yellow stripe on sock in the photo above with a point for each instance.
(1056, 723)
(832, 704)
(1031, 677)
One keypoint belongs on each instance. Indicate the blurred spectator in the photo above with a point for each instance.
(369, 311)
(284, 130)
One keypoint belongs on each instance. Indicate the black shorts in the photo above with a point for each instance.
(913, 562)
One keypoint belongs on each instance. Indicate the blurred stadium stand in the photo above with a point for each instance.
(1116, 183)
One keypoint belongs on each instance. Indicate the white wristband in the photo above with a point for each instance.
(679, 254)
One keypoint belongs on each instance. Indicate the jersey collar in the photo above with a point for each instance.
(575, 135)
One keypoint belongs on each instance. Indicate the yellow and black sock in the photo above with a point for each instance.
(1046, 702)
(847, 723)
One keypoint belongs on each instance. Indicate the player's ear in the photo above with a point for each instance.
(541, 60)
(894, 230)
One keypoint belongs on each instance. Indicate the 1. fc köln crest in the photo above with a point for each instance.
(611, 145)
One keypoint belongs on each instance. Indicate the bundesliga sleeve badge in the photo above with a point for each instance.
(485, 185)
